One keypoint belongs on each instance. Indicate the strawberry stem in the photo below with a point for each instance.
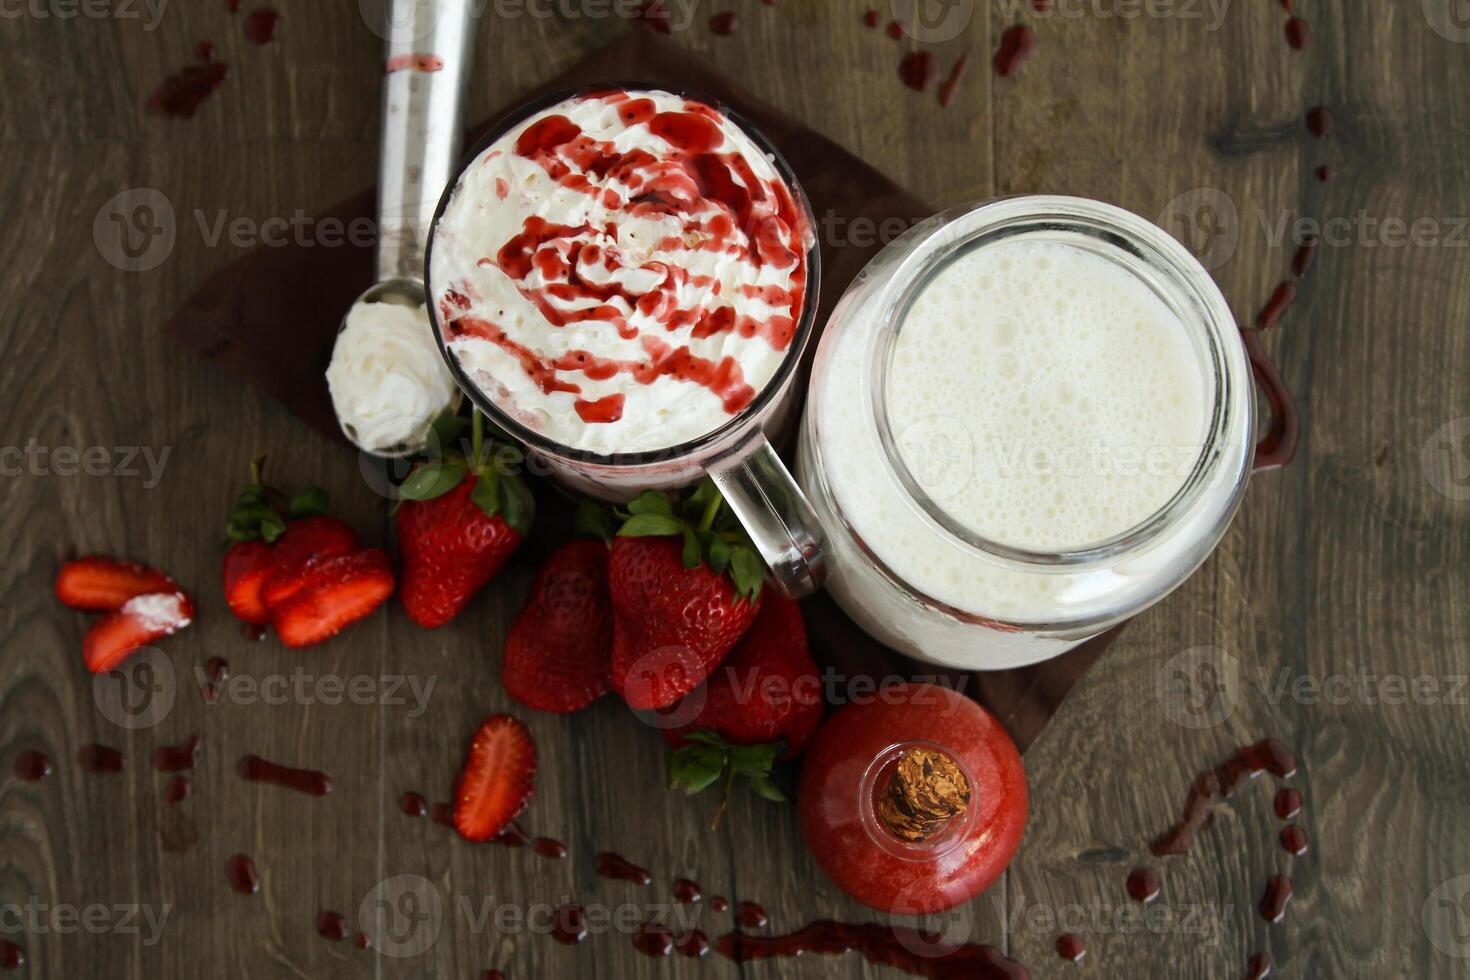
(711, 509)
(257, 470)
(725, 784)
(477, 437)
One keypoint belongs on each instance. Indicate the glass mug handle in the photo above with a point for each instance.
(1278, 446)
(776, 514)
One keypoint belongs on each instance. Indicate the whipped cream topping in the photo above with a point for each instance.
(388, 380)
(621, 272)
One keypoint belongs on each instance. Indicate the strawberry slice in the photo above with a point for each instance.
(140, 621)
(246, 567)
(313, 537)
(332, 592)
(103, 584)
(498, 778)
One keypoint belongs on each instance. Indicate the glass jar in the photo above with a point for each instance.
(998, 605)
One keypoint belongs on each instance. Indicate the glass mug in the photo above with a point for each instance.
(737, 455)
(1015, 607)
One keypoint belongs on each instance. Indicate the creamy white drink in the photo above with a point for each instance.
(1044, 401)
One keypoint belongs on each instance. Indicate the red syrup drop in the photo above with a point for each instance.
(1300, 263)
(361, 941)
(512, 836)
(719, 904)
(32, 767)
(951, 84)
(694, 944)
(180, 95)
(570, 925)
(233, 6)
(204, 52)
(1016, 45)
(492, 975)
(654, 940)
(1143, 885)
(413, 805)
(12, 957)
(1288, 803)
(751, 915)
(177, 790)
(309, 781)
(1276, 307)
(879, 944)
(1320, 121)
(603, 410)
(656, 16)
(872, 18)
(1259, 967)
(1294, 840)
(331, 925)
(1325, 173)
(261, 25)
(99, 759)
(1071, 947)
(724, 23)
(548, 848)
(1298, 33)
(687, 892)
(610, 865)
(243, 876)
(177, 758)
(1221, 783)
(1274, 901)
(215, 672)
(918, 70)
(894, 30)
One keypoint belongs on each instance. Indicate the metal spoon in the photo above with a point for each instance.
(428, 51)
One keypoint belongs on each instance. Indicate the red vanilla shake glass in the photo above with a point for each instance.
(624, 280)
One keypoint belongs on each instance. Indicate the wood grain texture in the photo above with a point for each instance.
(1348, 564)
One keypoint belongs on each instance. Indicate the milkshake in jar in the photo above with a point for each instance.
(1028, 421)
(625, 280)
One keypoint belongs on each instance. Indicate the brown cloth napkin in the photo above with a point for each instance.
(270, 319)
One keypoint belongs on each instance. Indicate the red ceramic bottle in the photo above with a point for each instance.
(913, 802)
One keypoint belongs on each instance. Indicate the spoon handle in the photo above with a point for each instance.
(428, 51)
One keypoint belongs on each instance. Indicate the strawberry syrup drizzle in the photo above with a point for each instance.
(100, 759)
(177, 790)
(1016, 45)
(177, 758)
(32, 767)
(261, 25)
(721, 205)
(12, 957)
(308, 781)
(880, 944)
(240, 871)
(216, 671)
(618, 868)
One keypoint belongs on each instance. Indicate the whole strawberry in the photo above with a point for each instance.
(683, 592)
(558, 656)
(460, 518)
(767, 690)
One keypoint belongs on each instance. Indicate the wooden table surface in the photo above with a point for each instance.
(1333, 616)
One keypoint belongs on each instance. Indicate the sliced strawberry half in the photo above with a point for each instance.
(498, 778)
(246, 567)
(331, 593)
(313, 537)
(140, 621)
(103, 584)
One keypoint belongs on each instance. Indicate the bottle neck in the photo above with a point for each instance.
(916, 800)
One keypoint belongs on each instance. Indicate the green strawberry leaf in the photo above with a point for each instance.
(650, 526)
(716, 551)
(272, 527)
(765, 787)
(651, 502)
(593, 520)
(517, 504)
(705, 737)
(747, 570)
(707, 758)
(486, 494)
(311, 502)
(701, 500)
(448, 431)
(433, 479)
(754, 760)
(695, 768)
(692, 555)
